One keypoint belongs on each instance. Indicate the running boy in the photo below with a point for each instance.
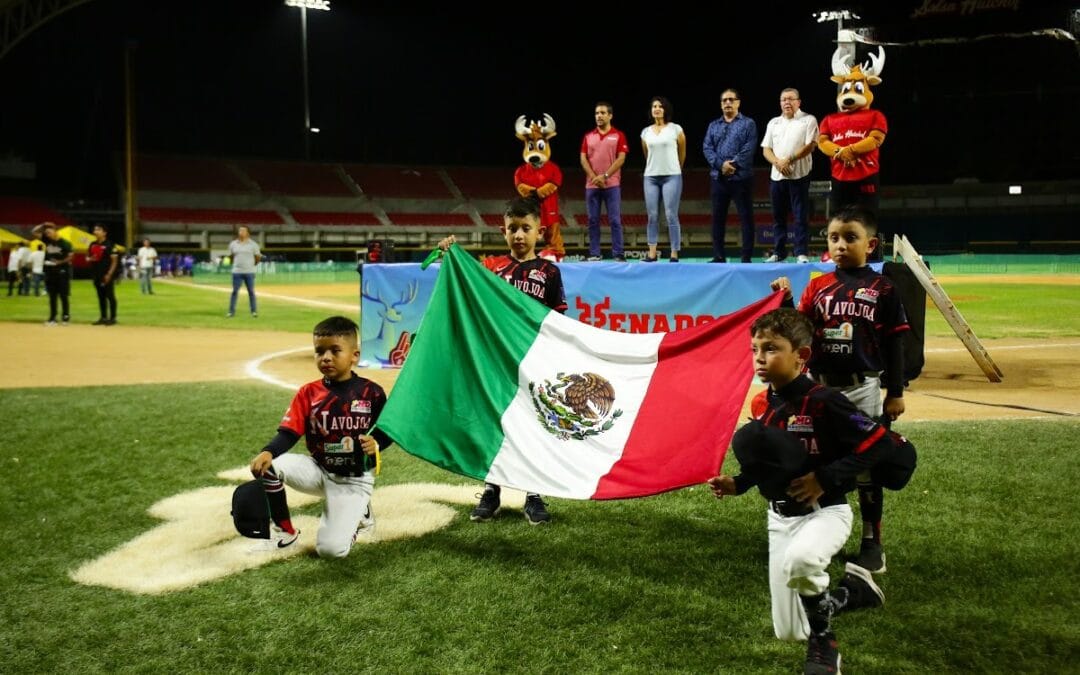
(809, 517)
(540, 279)
(335, 415)
(859, 323)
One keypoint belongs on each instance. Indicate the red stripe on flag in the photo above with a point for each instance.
(690, 409)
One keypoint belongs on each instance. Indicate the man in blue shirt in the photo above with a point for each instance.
(729, 149)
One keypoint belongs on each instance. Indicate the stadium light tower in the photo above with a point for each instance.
(305, 5)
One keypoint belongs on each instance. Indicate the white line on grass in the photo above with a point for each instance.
(253, 368)
(997, 348)
(261, 294)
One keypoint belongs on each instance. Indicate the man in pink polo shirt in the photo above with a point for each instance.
(603, 152)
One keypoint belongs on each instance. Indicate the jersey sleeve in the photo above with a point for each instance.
(295, 418)
(554, 294)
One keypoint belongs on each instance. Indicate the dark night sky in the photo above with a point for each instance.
(224, 79)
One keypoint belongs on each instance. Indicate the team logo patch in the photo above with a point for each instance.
(360, 407)
(537, 276)
(842, 332)
(862, 422)
(801, 424)
(575, 406)
(867, 294)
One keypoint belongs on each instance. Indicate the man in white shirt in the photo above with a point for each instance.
(147, 258)
(14, 266)
(788, 145)
(37, 267)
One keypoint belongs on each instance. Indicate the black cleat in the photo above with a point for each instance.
(536, 510)
(822, 655)
(871, 558)
(488, 507)
(861, 589)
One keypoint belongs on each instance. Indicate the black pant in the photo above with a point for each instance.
(106, 298)
(723, 192)
(58, 284)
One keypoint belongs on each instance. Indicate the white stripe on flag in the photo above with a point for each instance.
(533, 457)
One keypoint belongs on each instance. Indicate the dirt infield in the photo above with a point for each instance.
(951, 387)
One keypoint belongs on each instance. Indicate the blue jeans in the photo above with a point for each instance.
(724, 191)
(146, 284)
(791, 196)
(611, 198)
(249, 282)
(669, 189)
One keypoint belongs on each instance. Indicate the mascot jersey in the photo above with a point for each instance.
(847, 128)
(548, 173)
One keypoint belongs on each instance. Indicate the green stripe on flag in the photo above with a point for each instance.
(462, 370)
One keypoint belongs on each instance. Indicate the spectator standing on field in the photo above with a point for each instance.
(147, 259)
(37, 267)
(104, 265)
(14, 268)
(245, 256)
(58, 254)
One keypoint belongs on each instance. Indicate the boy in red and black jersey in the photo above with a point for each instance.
(335, 415)
(539, 279)
(803, 450)
(859, 322)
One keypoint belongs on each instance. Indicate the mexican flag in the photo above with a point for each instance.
(500, 388)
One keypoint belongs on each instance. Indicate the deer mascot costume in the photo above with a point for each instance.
(542, 177)
(851, 137)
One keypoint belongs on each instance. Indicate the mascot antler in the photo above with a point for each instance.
(840, 67)
(521, 127)
(876, 65)
(548, 127)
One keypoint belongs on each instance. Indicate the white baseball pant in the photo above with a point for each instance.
(800, 548)
(346, 500)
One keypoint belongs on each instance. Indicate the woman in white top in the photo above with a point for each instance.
(664, 146)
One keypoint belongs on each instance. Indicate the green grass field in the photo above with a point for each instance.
(982, 544)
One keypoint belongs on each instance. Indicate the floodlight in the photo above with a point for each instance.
(1016, 189)
(324, 5)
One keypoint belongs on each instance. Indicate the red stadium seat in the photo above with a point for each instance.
(431, 219)
(335, 218)
(399, 182)
(223, 216)
(296, 178)
(187, 174)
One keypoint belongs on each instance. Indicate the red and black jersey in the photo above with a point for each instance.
(538, 278)
(332, 416)
(856, 314)
(100, 256)
(841, 441)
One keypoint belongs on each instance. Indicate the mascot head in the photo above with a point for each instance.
(855, 81)
(536, 136)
